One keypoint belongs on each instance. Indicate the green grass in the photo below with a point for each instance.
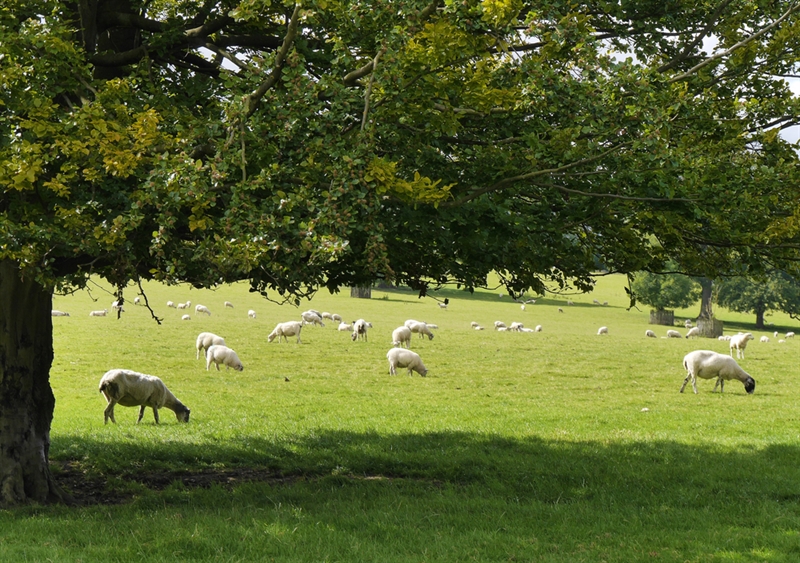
(516, 447)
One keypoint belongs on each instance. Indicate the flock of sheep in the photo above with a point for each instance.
(130, 388)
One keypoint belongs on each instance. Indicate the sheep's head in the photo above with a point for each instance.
(271, 337)
(750, 385)
(430, 336)
(182, 414)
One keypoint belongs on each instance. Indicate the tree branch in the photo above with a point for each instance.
(700, 36)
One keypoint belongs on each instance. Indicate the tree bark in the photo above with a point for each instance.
(710, 328)
(760, 317)
(362, 292)
(26, 399)
(706, 311)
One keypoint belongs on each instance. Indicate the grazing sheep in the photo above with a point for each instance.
(170, 304)
(422, 329)
(693, 332)
(182, 306)
(674, 334)
(526, 329)
(115, 305)
(764, 339)
(781, 341)
(219, 354)
(137, 300)
(514, 327)
(502, 329)
(789, 335)
(602, 330)
(650, 334)
(102, 313)
(400, 336)
(431, 325)
(186, 318)
(570, 303)
(56, 313)
(201, 309)
(344, 327)
(133, 389)
(410, 322)
(560, 310)
(723, 338)
(251, 314)
(775, 334)
(605, 302)
(478, 327)
(360, 330)
(707, 364)
(326, 315)
(311, 318)
(402, 358)
(537, 328)
(739, 342)
(228, 304)
(285, 330)
(499, 324)
(473, 324)
(206, 340)
(687, 323)
(335, 317)
(522, 307)
(443, 305)
(595, 301)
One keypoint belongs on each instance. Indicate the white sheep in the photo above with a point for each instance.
(478, 327)
(206, 340)
(133, 389)
(422, 329)
(569, 303)
(102, 313)
(170, 304)
(360, 330)
(674, 334)
(335, 317)
(514, 327)
(285, 330)
(410, 322)
(650, 334)
(739, 343)
(602, 330)
(401, 336)
(137, 300)
(311, 318)
(537, 328)
(251, 314)
(687, 323)
(560, 310)
(201, 309)
(115, 305)
(182, 306)
(595, 301)
(443, 305)
(473, 324)
(693, 332)
(775, 334)
(764, 339)
(707, 365)
(526, 329)
(522, 307)
(499, 324)
(402, 358)
(186, 318)
(219, 354)
(57, 313)
(326, 315)
(344, 327)
(228, 304)
(789, 335)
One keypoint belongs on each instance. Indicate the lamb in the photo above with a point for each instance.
(219, 354)
(739, 342)
(421, 329)
(102, 313)
(650, 334)
(311, 318)
(201, 309)
(602, 330)
(693, 332)
(344, 327)
(360, 330)
(402, 358)
(132, 389)
(707, 364)
(285, 330)
(228, 304)
(400, 336)
(251, 314)
(206, 340)
(57, 313)
(674, 334)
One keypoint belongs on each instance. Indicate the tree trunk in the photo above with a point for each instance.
(661, 317)
(710, 328)
(706, 311)
(362, 292)
(26, 399)
(760, 318)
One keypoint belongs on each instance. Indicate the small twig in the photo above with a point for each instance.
(368, 92)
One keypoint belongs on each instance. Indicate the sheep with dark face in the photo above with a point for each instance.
(132, 389)
(706, 364)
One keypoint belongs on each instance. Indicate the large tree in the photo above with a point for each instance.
(775, 292)
(338, 142)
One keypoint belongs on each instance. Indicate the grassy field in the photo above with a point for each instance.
(554, 446)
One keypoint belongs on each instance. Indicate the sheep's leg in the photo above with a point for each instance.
(216, 364)
(141, 414)
(109, 413)
(155, 414)
(685, 381)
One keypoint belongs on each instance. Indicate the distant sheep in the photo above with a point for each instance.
(312, 318)
(360, 330)
(170, 304)
(602, 330)
(228, 304)
(182, 306)
(201, 309)
(326, 315)
(560, 310)
(422, 329)
(789, 335)
(473, 324)
(537, 328)
(186, 318)
(285, 330)
(515, 327)
(499, 324)
(739, 343)
(443, 305)
(687, 323)
(650, 334)
(132, 389)
(693, 332)
(707, 365)
(206, 340)
(674, 334)
(478, 327)
(102, 313)
(219, 354)
(765, 339)
(137, 300)
(335, 317)
(402, 358)
(595, 301)
(401, 337)
(251, 314)
(56, 313)
(570, 303)
(344, 327)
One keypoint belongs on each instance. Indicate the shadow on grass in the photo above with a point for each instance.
(640, 473)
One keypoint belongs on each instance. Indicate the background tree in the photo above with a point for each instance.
(340, 142)
(665, 291)
(777, 292)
